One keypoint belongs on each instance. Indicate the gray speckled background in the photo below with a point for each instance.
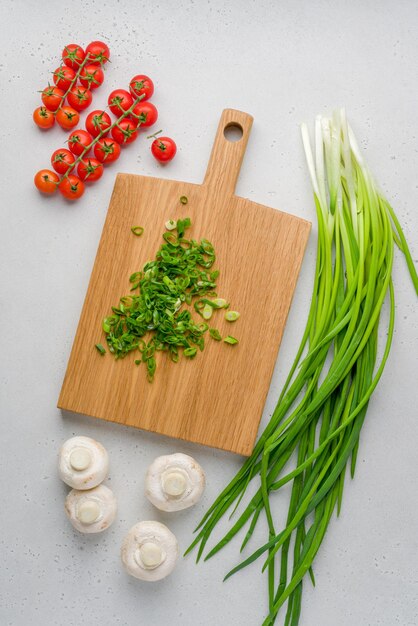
(283, 62)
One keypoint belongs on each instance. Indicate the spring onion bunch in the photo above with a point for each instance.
(322, 407)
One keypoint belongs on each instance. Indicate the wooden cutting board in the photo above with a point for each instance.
(217, 398)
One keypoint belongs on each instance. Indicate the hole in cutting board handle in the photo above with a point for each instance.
(233, 132)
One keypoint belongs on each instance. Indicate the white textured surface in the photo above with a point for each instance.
(283, 62)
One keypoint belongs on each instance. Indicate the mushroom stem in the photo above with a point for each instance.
(174, 483)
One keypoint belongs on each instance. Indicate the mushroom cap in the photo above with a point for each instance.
(174, 482)
(149, 551)
(91, 510)
(83, 462)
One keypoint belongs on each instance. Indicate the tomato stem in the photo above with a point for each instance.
(100, 135)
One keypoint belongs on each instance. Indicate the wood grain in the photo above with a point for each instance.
(217, 398)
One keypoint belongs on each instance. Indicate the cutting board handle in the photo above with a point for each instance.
(226, 157)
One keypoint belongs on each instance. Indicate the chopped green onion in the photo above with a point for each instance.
(231, 340)
(137, 230)
(153, 317)
(215, 334)
(219, 303)
(100, 348)
(231, 316)
(170, 224)
(207, 312)
(183, 199)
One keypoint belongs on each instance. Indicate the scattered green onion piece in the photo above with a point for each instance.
(231, 316)
(207, 312)
(100, 348)
(215, 334)
(170, 224)
(190, 352)
(137, 230)
(183, 199)
(231, 340)
(137, 361)
(219, 303)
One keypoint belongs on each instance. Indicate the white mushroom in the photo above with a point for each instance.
(149, 551)
(174, 482)
(92, 510)
(83, 463)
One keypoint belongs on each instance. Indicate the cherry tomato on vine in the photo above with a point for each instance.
(73, 56)
(98, 52)
(107, 150)
(43, 118)
(91, 76)
(144, 114)
(119, 101)
(67, 118)
(46, 181)
(125, 132)
(71, 187)
(63, 77)
(52, 97)
(61, 160)
(163, 149)
(79, 98)
(97, 122)
(90, 170)
(141, 85)
(79, 140)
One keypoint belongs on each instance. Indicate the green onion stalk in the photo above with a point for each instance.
(323, 404)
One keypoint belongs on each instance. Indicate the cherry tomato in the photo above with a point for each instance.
(144, 114)
(78, 141)
(79, 98)
(141, 85)
(71, 187)
(91, 76)
(90, 170)
(43, 118)
(52, 97)
(98, 52)
(106, 150)
(125, 132)
(67, 118)
(163, 149)
(97, 122)
(61, 160)
(73, 56)
(46, 181)
(119, 101)
(63, 77)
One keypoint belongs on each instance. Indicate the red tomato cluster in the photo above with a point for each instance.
(74, 80)
(100, 142)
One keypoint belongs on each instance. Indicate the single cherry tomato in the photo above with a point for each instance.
(52, 97)
(144, 114)
(106, 150)
(79, 98)
(71, 187)
(78, 141)
(98, 122)
(163, 149)
(43, 118)
(125, 132)
(119, 101)
(141, 85)
(63, 77)
(98, 52)
(91, 76)
(61, 160)
(73, 55)
(90, 170)
(46, 181)
(67, 118)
